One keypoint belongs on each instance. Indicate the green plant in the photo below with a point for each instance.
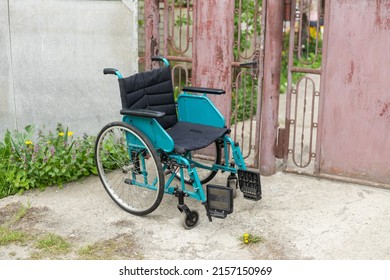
(22, 211)
(10, 151)
(246, 24)
(49, 159)
(53, 244)
(250, 238)
(179, 3)
(10, 236)
(244, 100)
(120, 246)
(114, 152)
(182, 21)
(309, 59)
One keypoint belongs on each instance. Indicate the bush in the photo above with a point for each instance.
(244, 100)
(312, 61)
(50, 159)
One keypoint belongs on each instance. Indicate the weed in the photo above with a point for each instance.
(28, 161)
(21, 212)
(122, 246)
(53, 244)
(9, 236)
(250, 238)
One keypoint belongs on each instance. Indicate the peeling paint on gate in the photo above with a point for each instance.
(382, 14)
(354, 126)
(384, 109)
(350, 74)
(213, 49)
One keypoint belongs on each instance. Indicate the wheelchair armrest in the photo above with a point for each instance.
(204, 90)
(142, 113)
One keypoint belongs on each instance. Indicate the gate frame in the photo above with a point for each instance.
(313, 157)
(269, 83)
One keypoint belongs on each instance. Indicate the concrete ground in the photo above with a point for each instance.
(298, 217)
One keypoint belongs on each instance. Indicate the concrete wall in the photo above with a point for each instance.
(7, 100)
(52, 53)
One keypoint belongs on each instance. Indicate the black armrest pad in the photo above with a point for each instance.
(204, 90)
(142, 113)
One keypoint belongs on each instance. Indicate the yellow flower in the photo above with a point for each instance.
(245, 238)
(313, 32)
(28, 142)
(70, 133)
(61, 134)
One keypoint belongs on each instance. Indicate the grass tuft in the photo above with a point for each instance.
(53, 244)
(122, 246)
(9, 236)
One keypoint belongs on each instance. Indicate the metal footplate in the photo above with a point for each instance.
(219, 201)
(250, 186)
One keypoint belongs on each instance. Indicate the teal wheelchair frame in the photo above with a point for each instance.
(138, 161)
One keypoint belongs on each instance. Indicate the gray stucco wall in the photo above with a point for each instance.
(52, 55)
(7, 100)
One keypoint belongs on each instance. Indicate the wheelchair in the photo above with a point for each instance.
(167, 146)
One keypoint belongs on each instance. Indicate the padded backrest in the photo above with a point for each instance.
(150, 90)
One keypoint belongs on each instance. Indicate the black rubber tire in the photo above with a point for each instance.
(205, 177)
(190, 223)
(120, 175)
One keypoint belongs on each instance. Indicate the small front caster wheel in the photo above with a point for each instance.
(190, 220)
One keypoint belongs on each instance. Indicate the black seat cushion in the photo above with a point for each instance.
(190, 136)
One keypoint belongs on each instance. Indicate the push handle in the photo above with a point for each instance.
(160, 59)
(109, 71)
(112, 71)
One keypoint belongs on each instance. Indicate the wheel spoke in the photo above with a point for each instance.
(129, 168)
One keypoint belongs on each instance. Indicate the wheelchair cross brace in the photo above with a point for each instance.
(198, 193)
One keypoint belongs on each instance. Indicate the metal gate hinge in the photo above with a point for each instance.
(280, 142)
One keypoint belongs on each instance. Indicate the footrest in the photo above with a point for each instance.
(219, 201)
(250, 185)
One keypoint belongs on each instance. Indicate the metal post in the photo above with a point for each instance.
(213, 50)
(271, 85)
(152, 36)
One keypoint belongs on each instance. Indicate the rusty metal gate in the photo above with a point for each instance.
(208, 50)
(248, 76)
(172, 28)
(302, 60)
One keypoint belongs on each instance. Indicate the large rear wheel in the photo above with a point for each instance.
(129, 168)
